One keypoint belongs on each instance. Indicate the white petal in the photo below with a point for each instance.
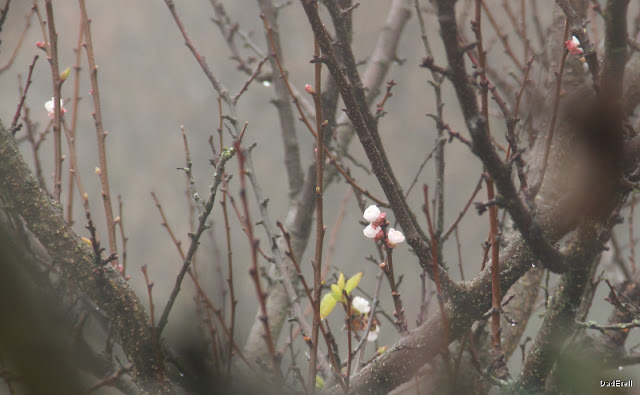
(395, 237)
(370, 231)
(49, 105)
(373, 334)
(371, 213)
(361, 304)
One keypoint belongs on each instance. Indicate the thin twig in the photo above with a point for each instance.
(14, 124)
(195, 238)
(100, 132)
(253, 271)
(19, 43)
(554, 117)
(320, 228)
(57, 109)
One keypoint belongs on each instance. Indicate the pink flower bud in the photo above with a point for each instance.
(573, 46)
(309, 89)
(380, 220)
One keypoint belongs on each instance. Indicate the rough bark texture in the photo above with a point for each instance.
(75, 260)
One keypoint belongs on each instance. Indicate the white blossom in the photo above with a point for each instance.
(370, 231)
(361, 304)
(373, 334)
(371, 213)
(395, 237)
(50, 107)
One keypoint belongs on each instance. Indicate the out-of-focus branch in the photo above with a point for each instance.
(283, 104)
(615, 48)
(380, 61)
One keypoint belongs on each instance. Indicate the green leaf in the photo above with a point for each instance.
(341, 282)
(353, 282)
(336, 291)
(319, 382)
(326, 305)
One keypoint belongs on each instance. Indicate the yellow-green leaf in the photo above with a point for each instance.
(353, 282)
(319, 382)
(65, 74)
(341, 282)
(87, 241)
(327, 304)
(336, 291)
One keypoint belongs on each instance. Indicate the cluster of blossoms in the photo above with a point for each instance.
(377, 220)
(50, 107)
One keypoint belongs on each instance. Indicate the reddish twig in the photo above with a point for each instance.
(462, 213)
(253, 271)
(387, 95)
(100, 132)
(503, 37)
(123, 239)
(305, 120)
(19, 43)
(14, 124)
(496, 352)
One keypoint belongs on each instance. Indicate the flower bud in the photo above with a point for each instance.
(371, 213)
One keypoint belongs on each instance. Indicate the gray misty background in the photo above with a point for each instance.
(150, 85)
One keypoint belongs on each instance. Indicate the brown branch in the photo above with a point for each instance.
(577, 29)
(100, 132)
(253, 271)
(52, 56)
(483, 148)
(356, 108)
(75, 260)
